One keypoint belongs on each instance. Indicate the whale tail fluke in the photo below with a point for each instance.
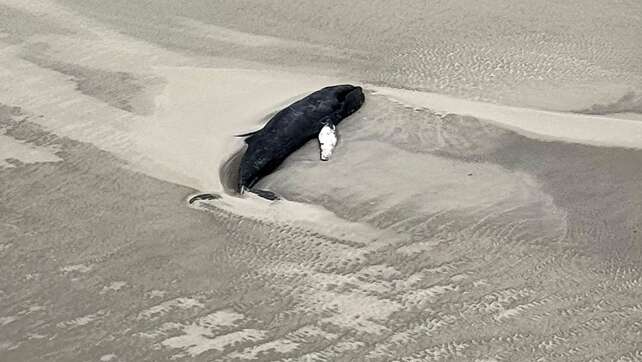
(265, 194)
(352, 102)
(199, 197)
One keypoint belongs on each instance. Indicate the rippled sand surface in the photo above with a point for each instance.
(485, 204)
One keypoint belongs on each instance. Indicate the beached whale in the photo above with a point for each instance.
(292, 127)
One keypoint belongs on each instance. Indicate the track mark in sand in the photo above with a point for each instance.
(167, 306)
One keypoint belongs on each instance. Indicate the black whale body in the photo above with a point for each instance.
(292, 127)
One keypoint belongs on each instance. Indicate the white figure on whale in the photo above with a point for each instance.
(327, 140)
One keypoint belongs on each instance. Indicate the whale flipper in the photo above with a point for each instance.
(327, 141)
(268, 195)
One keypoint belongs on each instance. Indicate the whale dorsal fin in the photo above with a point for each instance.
(249, 135)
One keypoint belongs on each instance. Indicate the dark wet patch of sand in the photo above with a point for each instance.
(600, 189)
(127, 91)
(628, 103)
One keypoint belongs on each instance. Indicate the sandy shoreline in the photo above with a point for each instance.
(468, 222)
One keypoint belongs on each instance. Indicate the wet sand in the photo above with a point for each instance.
(485, 204)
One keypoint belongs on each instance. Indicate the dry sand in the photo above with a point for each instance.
(485, 203)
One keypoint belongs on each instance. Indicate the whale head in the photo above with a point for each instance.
(348, 97)
(353, 99)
